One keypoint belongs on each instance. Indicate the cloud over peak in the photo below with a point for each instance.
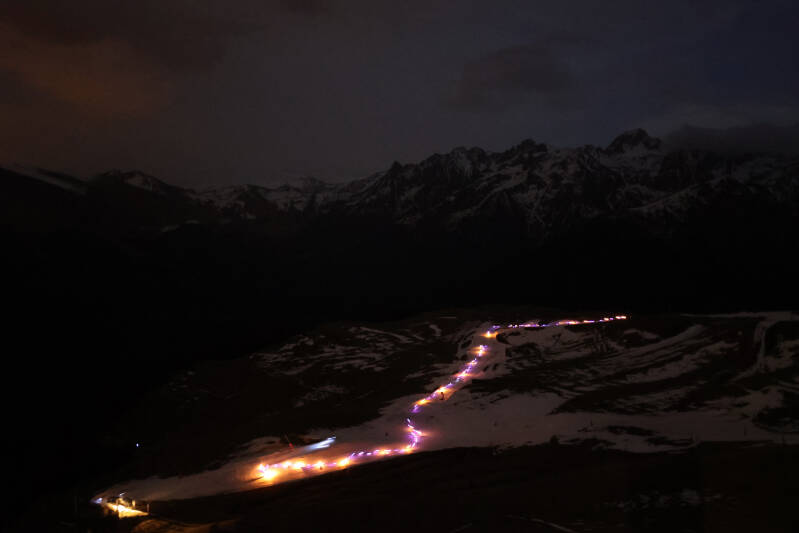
(509, 75)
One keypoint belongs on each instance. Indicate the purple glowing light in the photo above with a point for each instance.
(415, 435)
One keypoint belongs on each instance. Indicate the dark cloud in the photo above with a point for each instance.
(101, 76)
(763, 137)
(115, 58)
(509, 75)
(313, 7)
(201, 91)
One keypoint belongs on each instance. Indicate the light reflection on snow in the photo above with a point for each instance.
(271, 472)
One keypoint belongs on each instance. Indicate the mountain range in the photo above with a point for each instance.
(634, 212)
(689, 227)
(543, 191)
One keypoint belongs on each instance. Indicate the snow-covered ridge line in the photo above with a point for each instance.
(547, 186)
(650, 386)
(536, 186)
(302, 464)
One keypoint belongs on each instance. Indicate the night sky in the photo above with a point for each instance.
(204, 92)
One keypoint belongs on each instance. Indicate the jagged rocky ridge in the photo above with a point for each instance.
(538, 188)
(655, 224)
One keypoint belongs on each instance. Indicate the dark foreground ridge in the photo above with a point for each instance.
(711, 487)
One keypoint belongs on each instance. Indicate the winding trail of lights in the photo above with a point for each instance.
(271, 472)
(278, 472)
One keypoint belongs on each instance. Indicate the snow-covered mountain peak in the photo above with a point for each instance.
(307, 184)
(633, 140)
(139, 179)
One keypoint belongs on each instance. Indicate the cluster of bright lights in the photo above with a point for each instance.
(123, 511)
(120, 507)
(564, 323)
(271, 472)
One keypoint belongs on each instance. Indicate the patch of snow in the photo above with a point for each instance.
(646, 335)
